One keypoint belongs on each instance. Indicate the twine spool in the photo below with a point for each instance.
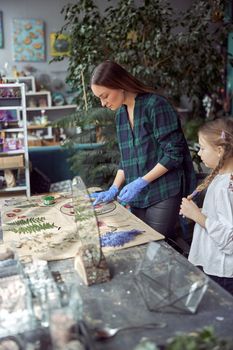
(48, 200)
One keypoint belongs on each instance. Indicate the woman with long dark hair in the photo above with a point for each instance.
(156, 167)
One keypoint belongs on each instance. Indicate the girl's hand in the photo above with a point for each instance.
(189, 209)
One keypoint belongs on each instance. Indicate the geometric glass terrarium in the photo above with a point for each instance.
(169, 283)
(89, 260)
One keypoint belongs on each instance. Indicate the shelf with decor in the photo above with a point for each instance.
(41, 111)
(29, 81)
(39, 99)
(52, 108)
(14, 158)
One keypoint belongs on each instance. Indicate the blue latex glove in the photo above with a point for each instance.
(105, 196)
(132, 189)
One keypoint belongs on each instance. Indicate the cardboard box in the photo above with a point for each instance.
(12, 162)
(32, 143)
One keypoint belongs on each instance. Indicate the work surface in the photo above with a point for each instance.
(118, 303)
(50, 232)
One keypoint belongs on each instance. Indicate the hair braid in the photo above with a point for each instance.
(219, 132)
(205, 183)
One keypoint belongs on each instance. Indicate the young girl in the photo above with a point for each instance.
(212, 244)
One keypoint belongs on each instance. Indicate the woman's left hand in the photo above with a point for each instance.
(131, 190)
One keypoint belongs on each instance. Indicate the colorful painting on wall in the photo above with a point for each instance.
(59, 44)
(28, 40)
(1, 30)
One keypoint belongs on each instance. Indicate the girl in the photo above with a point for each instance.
(212, 244)
(156, 168)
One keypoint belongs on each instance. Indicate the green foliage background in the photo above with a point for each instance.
(96, 166)
(181, 53)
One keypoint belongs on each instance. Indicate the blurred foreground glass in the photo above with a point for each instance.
(16, 314)
(168, 282)
(43, 288)
(64, 320)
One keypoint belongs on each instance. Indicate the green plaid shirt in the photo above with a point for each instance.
(157, 137)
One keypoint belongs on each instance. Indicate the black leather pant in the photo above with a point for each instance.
(161, 216)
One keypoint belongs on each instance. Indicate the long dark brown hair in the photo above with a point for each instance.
(111, 75)
(218, 132)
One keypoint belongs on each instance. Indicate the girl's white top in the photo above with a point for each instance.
(212, 247)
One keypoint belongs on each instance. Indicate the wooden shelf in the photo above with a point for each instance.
(38, 126)
(10, 108)
(13, 152)
(37, 93)
(51, 108)
(12, 130)
(14, 189)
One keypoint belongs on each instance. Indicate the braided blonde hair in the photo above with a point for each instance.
(218, 132)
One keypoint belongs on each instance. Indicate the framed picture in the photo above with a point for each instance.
(59, 44)
(1, 30)
(28, 40)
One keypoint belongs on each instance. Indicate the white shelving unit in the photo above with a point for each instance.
(19, 105)
(38, 104)
(29, 81)
(52, 108)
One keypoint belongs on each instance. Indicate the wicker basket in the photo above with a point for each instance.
(11, 162)
(32, 143)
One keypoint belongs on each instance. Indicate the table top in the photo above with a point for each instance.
(118, 303)
(60, 236)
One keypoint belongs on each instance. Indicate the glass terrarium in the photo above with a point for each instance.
(16, 314)
(168, 282)
(50, 295)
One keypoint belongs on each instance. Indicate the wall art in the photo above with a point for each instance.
(28, 40)
(59, 44)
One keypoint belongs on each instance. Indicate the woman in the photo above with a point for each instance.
(156, 168)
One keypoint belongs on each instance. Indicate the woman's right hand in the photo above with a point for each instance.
(105, 196)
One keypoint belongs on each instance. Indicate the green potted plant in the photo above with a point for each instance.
(181, 53)
(205, 339)
(98, 165)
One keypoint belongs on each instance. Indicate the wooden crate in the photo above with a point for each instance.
(33, 143)
(12, 162)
